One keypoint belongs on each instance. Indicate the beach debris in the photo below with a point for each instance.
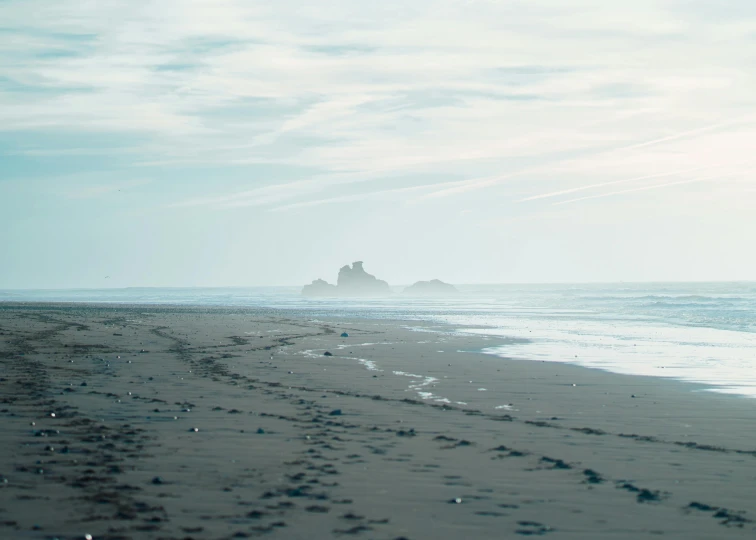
(335, 412)
(260, 431)
(344, 334)
(327, 353)
(52, 415)
(291, 373)
(456, 500)
(194, 430)
(157, 481)
(87, 537)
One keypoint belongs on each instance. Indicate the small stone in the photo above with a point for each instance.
(52, 415)
(327, 353)
(291, 373)
(157, 481)
(344, 334)
(456, 500)
(260, 431)
(194, 430)
(633, 396)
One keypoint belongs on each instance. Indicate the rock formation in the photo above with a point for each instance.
(352, 281)
(433, 287)
(319, 287)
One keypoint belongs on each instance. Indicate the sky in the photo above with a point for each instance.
(240, 143)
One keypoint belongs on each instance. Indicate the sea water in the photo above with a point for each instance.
(697, 332)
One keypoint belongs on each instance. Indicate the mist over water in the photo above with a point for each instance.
(697, 332)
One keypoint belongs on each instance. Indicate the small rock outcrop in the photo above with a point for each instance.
(319, 287)
(352, 281)
(434, 287)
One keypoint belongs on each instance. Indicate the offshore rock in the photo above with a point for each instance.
(434, 287)
(319, 287)
(352, 281)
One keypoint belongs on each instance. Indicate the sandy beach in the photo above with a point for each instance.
(168, 423)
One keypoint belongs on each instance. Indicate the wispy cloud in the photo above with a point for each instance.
(370, 91)
(720, 176)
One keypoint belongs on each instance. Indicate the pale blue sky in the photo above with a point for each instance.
(234, 142)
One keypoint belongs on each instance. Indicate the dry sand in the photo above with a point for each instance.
(195, 423)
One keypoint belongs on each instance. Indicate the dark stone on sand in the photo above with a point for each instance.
(157, 481)
(344, 334)
(260, 431)
(327, 353)
(83, 384)
(335, 412)
(434, 287)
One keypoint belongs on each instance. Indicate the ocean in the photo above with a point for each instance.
(696, 332)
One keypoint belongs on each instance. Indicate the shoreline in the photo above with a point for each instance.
(697, 387)
(294, 444)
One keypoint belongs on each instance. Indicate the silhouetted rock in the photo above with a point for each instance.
(433, 287)
(319, 287)
(352, 281)
(355, 281)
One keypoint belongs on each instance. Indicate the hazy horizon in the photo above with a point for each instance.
(236, 144)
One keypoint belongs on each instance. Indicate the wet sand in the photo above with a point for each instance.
(206, 423)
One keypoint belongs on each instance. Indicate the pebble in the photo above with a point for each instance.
(260, 431)
(194, 430)
(456, 501)
(157, 480)
(335, 412)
